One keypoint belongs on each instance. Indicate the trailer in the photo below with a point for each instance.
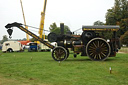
(90, 43)
(12, 46)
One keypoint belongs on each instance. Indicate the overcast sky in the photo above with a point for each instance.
(73, 13)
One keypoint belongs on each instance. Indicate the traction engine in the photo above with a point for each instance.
(90, 43)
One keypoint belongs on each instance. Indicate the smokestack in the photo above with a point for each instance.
(62, 28)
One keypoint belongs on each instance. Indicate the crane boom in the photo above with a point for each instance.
(24, 20)
(42, 20)
(19, 25)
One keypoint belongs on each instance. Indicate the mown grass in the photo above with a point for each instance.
(38, 68)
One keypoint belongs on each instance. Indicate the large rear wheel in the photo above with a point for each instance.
(98, 49)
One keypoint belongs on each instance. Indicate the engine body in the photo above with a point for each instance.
(79, 43)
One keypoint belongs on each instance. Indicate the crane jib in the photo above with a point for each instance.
(8, 26)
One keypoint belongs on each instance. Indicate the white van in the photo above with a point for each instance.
(44, 47)
(11, 46)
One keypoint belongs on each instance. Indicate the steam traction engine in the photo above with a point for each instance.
(89, 43)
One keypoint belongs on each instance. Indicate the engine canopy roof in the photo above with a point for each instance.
(100, 28)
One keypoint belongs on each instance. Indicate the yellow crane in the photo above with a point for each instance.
(42, 20)
(41, 28)
(27, 36)
(41, 33)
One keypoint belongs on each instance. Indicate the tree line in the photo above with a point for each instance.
(118, 15)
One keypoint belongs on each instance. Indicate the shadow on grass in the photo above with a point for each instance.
(107, 60)
(90, 60)
(82, 59)
(51, 60)
(110, 60)
(78, 60)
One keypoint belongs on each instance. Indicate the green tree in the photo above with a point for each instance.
(110, 17)
(124, 26)
(124, 9)
(53, 28)
(66, 29)
(118, 15)
(24, 39)
(124, 38)
(106, 35)
(33, 39)
(98, 23)
(113, 15)
(5, 38)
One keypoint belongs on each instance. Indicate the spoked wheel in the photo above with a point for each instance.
(98, 49)
(59, 53)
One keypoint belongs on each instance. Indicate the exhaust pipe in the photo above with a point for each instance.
(62, 28)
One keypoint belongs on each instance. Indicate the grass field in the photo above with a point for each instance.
(38, 68)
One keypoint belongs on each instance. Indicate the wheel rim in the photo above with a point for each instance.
(59, 54)
(98, 49)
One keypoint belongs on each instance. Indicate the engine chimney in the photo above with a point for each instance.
(62, 28)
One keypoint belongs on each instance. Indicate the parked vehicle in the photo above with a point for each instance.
(26, 47)
(33, 47)
(11, 46)
(44, 47)
(0, 47)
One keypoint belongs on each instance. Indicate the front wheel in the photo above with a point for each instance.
(59, 53)
(98, 49)
(9, 50)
